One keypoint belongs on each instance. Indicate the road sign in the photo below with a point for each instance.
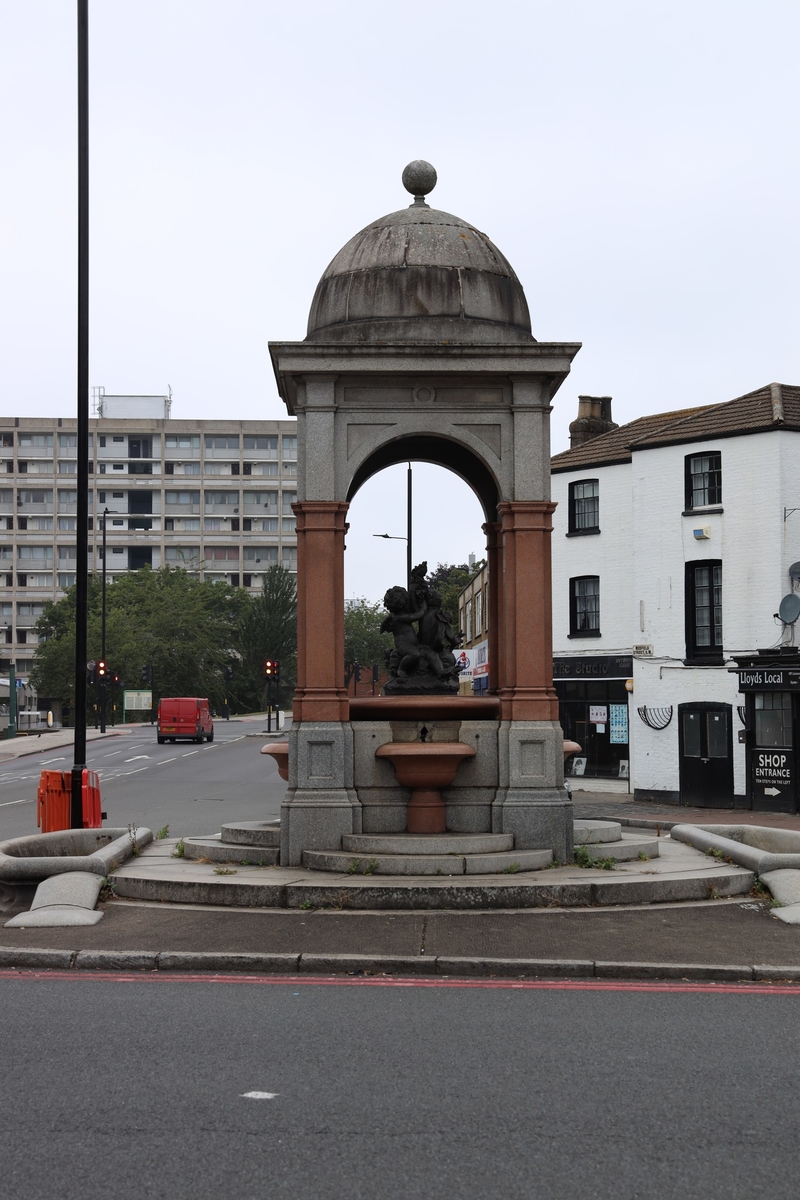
(138, 701)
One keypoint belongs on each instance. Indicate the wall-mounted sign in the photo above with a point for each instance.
(772, 772)
(761, 679)
(593, 666)
(618, 723)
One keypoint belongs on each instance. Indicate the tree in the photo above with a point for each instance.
(449, 581)
(363, 641)
(268, 629)
(185, 629)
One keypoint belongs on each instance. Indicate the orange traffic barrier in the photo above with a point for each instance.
(54, 801)
(92, 815)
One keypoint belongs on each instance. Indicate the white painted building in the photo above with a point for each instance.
(673, 538)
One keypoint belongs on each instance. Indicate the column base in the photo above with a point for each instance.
(316, 820)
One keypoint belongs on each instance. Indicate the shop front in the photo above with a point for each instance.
(593, 709)
(770, 685)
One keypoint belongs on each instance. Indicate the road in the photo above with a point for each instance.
(137, 1087)
(191, 788)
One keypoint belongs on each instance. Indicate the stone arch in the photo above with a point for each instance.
(445, 452)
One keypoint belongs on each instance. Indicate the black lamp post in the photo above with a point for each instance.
(82, 523)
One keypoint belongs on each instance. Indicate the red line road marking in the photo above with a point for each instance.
(587, 985)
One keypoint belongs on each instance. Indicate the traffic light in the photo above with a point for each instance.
(91, 668)
(147, 674)
(229, 674)
(271, 668)
(102, 670)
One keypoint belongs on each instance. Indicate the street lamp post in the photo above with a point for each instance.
(396, 537)
(106, 512)
(82, 508)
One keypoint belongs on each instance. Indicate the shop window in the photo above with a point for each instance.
(703, 479)
(704, 610)
(584, 606)
(584, 506)
(773, 719)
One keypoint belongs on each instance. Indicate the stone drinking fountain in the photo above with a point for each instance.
(419, 348)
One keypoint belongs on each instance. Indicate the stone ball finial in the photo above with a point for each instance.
(419, 178)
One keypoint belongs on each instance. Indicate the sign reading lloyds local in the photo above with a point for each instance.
(759, 679)
(772, 771)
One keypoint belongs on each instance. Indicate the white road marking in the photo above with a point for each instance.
(260, 1095)
(134, 772)
(111, 755)
(44, 761)
(166, 760)
(189, 753)
(8, 803)
(136, 756)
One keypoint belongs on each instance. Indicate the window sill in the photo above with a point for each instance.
(585, 633)
(582, 532)
(702, 512)
(706, 660)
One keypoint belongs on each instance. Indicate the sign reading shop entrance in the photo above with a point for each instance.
(773, 773)
(770, 681)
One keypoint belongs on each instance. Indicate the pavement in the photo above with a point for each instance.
(730, 938)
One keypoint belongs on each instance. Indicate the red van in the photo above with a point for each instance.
(184, 717)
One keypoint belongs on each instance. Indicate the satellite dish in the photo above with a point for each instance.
(789, 608)
(794, 572)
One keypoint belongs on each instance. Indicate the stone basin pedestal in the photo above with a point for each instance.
(426, 767)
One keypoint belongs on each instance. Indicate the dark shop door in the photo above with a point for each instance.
(706, 755)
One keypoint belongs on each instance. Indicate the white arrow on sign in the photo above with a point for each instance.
(772, 791)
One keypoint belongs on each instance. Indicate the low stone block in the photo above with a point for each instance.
(383, 864)
(116, 960)
(588, 832)
(784, 885)
(510, 862)
(776, 974)
(428, 843)
(644, 970)
(252, 833)
(27, 958)
(256, 964)
(79, 888)
(790, 915)
(367, 964)
(54, 916)
(513, 967)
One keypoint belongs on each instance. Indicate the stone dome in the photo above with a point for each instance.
(419, 275)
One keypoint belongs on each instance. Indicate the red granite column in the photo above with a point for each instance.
(526, 650)
(320, 694)
(494, 561)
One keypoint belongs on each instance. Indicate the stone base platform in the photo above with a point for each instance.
(428, 854)
(680, 873)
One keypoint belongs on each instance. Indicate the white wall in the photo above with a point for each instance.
(608, 554)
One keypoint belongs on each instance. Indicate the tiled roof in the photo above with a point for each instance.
(771, 407)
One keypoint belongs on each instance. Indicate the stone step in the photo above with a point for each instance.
(499, 863)
(253, 833)
(427, 843)
(590, 832)
(217, 851)
(630, 846)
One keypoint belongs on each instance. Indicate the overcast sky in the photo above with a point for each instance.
(636, 162)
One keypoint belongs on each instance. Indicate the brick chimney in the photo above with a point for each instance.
(594, 418)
